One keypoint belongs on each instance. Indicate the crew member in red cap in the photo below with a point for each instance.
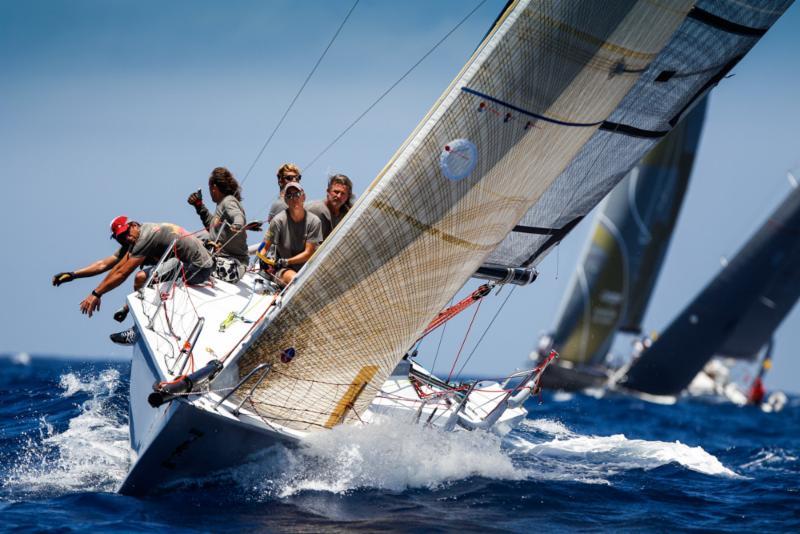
(119, 226)
(295, 231)
(141, 244)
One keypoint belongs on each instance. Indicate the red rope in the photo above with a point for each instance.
(464, 341)
(448, 313)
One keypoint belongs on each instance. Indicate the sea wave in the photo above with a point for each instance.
(90, 454)
(595, 459)
(389, 455)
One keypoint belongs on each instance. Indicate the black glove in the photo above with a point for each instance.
(63, 278)
(121, 314)
(281, 263)
(196, 199)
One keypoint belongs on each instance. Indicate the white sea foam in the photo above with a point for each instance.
(391, 456)
(595, 458)
(772, 460)
(563, 396)
(92, 454)
(21, 358)
(549, 427)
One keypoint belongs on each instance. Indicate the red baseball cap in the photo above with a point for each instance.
(119, 226)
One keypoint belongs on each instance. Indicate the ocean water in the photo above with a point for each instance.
(576, 463)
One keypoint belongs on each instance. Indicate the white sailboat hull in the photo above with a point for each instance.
(206, 430)
(184, 438)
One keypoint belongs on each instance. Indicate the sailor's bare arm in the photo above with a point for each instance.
(94, 268)
(117, 275)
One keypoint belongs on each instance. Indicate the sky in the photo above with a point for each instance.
(124, 107)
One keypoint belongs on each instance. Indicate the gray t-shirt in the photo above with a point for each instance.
(278, 205)
(229, 213)
(326, 218)
(154, 238)
(291, 237)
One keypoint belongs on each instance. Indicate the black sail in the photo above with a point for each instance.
(743, 304)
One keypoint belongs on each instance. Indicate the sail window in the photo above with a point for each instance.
(458, 159)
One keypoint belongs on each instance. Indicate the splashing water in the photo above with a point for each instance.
(388, 455)
(91, 454)
(593, 459)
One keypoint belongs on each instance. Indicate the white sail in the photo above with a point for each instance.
(709, 43)
(536, 90)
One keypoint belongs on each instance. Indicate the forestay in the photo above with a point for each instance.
(547, 76)
(708, 44)
(612, 284)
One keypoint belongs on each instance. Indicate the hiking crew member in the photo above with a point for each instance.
(295, 232)
(288, 172)
(141, 244)
(226, 226)
(337, 203)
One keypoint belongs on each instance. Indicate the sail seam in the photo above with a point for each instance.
(529, 113)
(427, 228)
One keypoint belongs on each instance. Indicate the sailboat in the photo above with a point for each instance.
(222, 372)
(611, 287)
(734, 316)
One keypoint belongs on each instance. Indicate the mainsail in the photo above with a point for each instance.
(547, 77)
(743, 304)
(714, 37)
(612, 284)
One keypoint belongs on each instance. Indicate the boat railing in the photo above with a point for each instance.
(264, 368)
(455, 417)
(153, 273)
(187, 348)
(439, 396)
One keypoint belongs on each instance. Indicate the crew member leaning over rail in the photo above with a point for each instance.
(226, 227)
(296, 233)
(141, 244)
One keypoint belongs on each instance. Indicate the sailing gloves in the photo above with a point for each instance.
(63, 278)
(281, 263)
(196, 199)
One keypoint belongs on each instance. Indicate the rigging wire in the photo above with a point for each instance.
(464, 341)
(441, 337)
(478, 343)
(395, 84)
(296, 96)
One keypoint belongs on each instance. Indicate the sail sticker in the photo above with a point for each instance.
(287, 355)
(458, 159)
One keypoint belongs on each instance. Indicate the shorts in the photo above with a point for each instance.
(171, 268)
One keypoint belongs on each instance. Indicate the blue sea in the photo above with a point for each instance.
(576, 463)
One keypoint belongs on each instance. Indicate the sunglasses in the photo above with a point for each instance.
(292, 178)
(293, 195)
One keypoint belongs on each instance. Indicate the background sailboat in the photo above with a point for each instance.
(735, 314)
(614, 279)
